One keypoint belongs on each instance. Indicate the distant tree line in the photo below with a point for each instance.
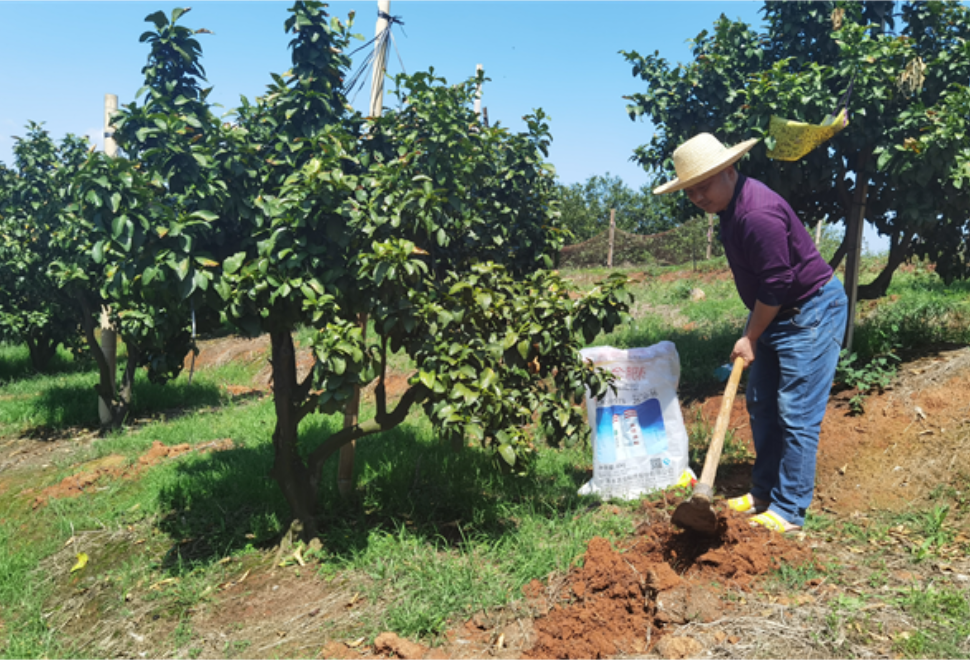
(586, 208)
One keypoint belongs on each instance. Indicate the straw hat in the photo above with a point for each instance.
(701, 157)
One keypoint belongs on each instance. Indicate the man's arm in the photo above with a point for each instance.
(760, 318)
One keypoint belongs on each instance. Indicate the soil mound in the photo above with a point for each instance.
(624, 599)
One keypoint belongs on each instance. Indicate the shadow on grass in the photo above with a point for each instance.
(226, 501)
(15, 364)
(61, 405)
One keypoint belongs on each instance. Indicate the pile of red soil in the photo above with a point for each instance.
(624, 599)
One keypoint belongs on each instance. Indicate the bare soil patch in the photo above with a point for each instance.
(115, 466)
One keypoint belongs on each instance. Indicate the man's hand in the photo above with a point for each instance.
(744, 348)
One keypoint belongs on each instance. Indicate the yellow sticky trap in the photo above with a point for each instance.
(794, 139)
(82, 561)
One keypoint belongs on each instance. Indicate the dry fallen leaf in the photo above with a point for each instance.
(357, 642)
(161, 583)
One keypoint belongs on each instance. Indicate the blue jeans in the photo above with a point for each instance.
(787, 392)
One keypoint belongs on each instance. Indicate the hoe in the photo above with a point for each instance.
(696, 513)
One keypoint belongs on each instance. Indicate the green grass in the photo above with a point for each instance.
(426, 520)
(920, 312)
(40, 403)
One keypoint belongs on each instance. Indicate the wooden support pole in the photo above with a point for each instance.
(609, 254)
(345, 467)
(478, 92)
(110, 110)
(109, 337)
(710, 235)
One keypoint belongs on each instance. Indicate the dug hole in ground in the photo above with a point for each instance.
(662, 591)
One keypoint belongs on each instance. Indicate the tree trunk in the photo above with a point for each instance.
(41, 349)
(899, 251)
(116, 408)
(298, 484)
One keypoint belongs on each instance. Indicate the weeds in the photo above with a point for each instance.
(931, 529)
(875, 376)
(943, 623)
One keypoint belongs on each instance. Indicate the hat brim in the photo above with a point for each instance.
(728, 158)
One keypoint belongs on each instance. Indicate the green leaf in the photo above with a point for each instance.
(467, 394)
(118, 226)
(234, 263)
(208, 216)
(200, 280)
(507, 453)
(488, 378)
(484, 299)
(427, 379)
(182, 268)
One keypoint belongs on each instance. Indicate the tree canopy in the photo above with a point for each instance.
(903, 76)
(300, 212)
(34, 194)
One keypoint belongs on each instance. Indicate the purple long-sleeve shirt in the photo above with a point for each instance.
(770, 252)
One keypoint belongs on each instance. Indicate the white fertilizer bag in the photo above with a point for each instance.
(639, 439)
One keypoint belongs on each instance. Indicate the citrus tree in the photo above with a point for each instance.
(34, 195)
(301, 213)
(903, 155)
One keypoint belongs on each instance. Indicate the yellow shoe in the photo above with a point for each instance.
(774, 522)
(746, 504)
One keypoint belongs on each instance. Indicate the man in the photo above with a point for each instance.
(793, 336)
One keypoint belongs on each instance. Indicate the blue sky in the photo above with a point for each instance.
(59, 59)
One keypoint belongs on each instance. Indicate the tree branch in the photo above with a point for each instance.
(899, 251)
(308, 406)
(380, 391)
(350, 433)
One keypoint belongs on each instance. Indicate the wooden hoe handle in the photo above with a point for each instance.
(720, 428)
